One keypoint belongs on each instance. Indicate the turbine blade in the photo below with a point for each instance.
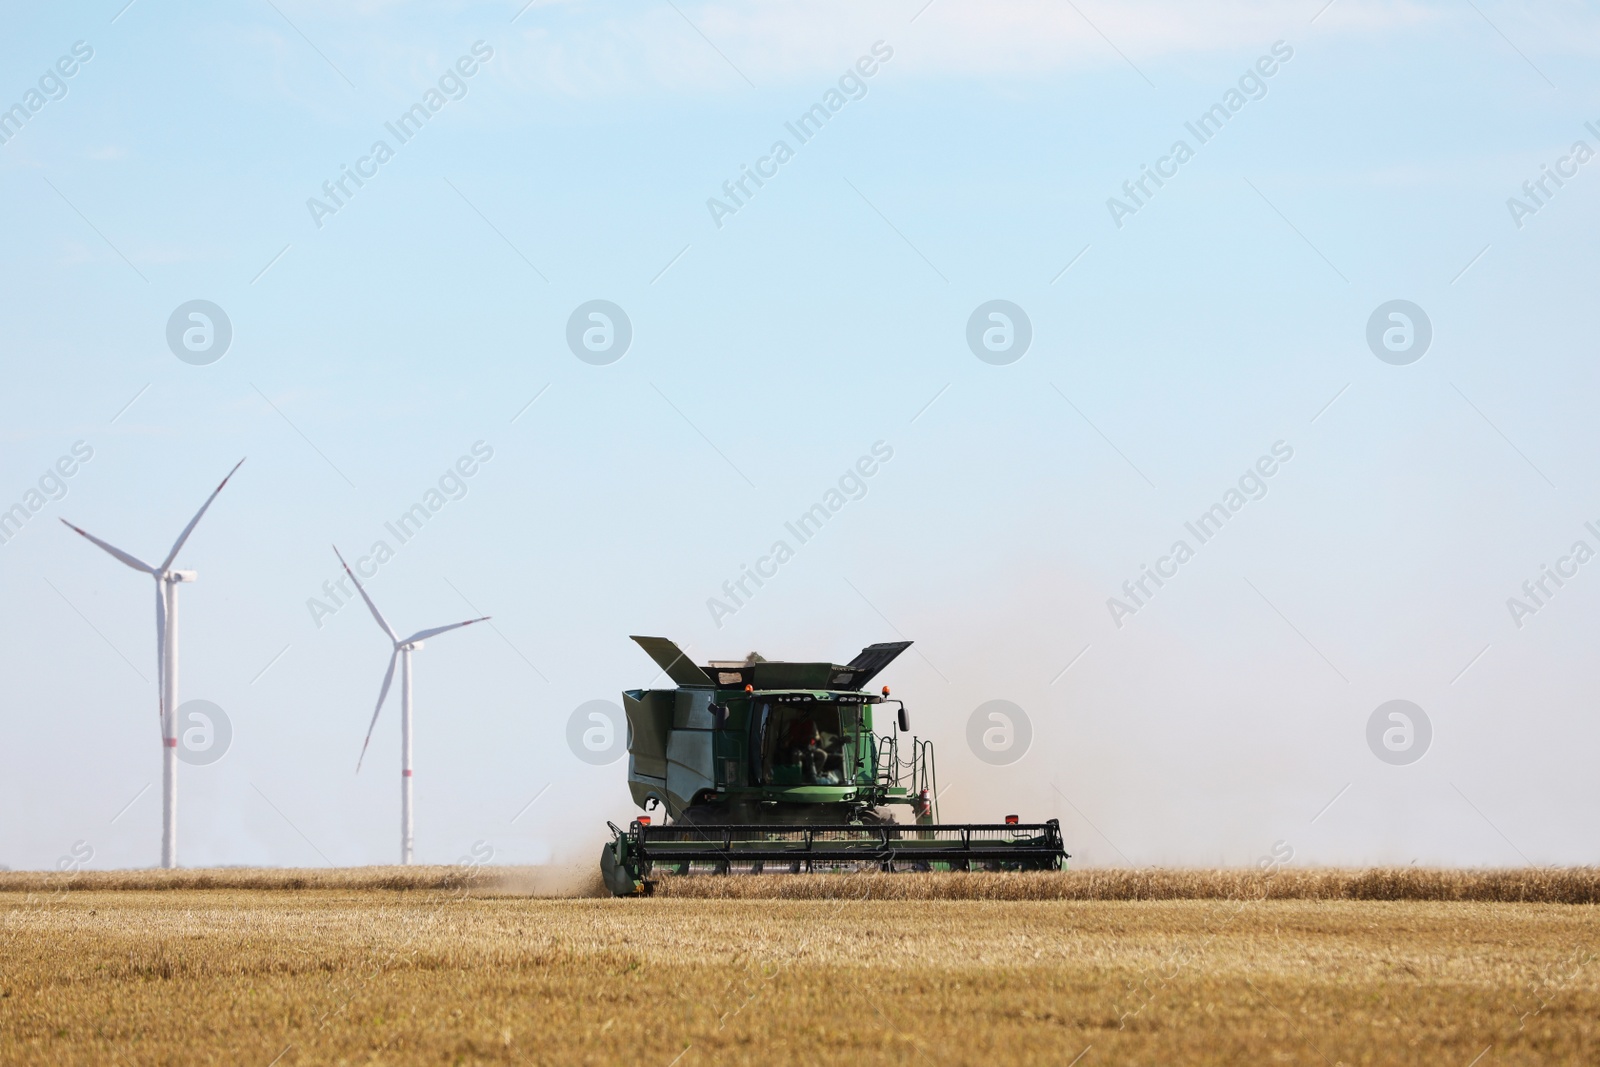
(370, 605)
(161, 657)
(388, 676)
(132, 561)
(189, 529)
(422, 635)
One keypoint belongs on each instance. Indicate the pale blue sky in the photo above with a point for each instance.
(371, 352)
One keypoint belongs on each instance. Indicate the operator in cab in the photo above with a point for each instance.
(805, 748)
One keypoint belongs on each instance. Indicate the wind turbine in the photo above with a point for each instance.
(167, 581)
(403, 647)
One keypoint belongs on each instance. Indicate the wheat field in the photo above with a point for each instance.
(1560, 885)
(1097, 967)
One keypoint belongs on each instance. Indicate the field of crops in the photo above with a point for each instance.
(429, 966)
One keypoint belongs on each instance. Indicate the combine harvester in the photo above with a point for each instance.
(761, 766)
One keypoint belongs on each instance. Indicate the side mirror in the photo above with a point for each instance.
(905, 720)
(719, 716)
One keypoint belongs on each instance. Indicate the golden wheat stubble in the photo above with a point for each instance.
(240, 976)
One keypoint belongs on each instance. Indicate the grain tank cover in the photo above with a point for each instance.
(764, 674)
(875, 658)
(672, 659)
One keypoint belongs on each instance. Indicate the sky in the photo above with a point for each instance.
(1350, 319)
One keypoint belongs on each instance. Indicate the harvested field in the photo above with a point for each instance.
(440, 973)
(522, 881)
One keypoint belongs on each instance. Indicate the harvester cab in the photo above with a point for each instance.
(776, 766)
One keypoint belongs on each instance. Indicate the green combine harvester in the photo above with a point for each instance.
(761, 766)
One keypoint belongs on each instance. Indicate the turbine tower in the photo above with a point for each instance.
(403, 647)
(167, 581)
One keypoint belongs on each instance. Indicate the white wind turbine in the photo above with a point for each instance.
(167, 581)
(403, 647)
